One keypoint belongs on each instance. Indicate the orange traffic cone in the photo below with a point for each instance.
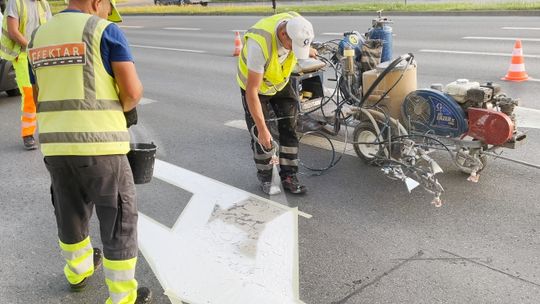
(237, 44)
(516, 72)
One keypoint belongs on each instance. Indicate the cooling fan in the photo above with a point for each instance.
(433, 112)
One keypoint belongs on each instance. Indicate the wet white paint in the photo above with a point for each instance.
(227, 246)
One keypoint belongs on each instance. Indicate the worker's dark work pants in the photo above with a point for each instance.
(285, 107)
(81, 182)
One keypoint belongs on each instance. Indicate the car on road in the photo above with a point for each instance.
(7, 78)
(180, 2)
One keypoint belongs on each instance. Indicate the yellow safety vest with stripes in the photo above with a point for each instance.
(9, 48)
(78, 110)
(276, 75)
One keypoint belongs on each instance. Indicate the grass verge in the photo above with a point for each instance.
(332, 8)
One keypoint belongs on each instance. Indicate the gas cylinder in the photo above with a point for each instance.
(381, 30)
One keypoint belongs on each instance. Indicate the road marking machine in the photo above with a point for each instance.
(398, 126)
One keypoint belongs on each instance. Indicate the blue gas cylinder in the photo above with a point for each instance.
(381, 30)
(383, 33)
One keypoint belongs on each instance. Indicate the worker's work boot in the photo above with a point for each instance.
(144, 296)
(97, 263)
(291, 184)
(29, 142)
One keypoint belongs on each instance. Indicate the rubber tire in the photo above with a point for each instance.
(364, 126)
(13, 92)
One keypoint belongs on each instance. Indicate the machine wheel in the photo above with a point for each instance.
(466, 160)
(13, 92)
(363, 133)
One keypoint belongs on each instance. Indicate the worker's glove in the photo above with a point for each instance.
(131, 117)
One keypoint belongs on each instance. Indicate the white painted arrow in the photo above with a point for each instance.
(227, 246)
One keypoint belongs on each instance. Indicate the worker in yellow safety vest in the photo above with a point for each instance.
(270, 52)
(21, 18)
(85, 87)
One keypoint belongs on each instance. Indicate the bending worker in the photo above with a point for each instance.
(84, 80)
(264, 67)
(22, 18)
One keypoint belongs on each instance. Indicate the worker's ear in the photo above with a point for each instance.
(95, 6)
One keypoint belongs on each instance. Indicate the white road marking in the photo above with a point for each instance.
(521, 28)
(501, 38)
(241, 31)
(527, 118)
(241, 247)
(475, 53)
(145, 101)
(182, 28)
(315, 141)
(131, 26)
(166, 48)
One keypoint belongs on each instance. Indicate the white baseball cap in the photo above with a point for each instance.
(301, 32)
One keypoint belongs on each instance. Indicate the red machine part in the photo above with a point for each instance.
(489, 126)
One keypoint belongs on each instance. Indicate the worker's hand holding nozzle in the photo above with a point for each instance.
(265, 139)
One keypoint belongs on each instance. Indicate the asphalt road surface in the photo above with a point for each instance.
(369, 240)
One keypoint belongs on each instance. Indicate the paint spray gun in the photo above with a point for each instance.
(275, 187)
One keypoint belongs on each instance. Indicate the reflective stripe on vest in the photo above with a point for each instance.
(79, 112)
(9, 49)
(276, 75)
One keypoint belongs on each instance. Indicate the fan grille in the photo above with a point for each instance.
(417, 109)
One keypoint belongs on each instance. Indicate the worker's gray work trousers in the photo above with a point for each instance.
(281, 110)
(78, 183)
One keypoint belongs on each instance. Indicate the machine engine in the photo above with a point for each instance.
(462, 108)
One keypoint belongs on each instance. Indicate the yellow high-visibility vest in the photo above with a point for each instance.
(78, 110)
(9, 49)
(276, 75)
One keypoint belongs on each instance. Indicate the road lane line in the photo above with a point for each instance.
(332, 34)
(145, 101)
(475, 53)
(182, 28)
(501, 38)
(166, 49)
(527, 117)
(131, 26)
(521, 28)
(314, 141)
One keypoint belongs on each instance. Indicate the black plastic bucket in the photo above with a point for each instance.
(141, 159)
